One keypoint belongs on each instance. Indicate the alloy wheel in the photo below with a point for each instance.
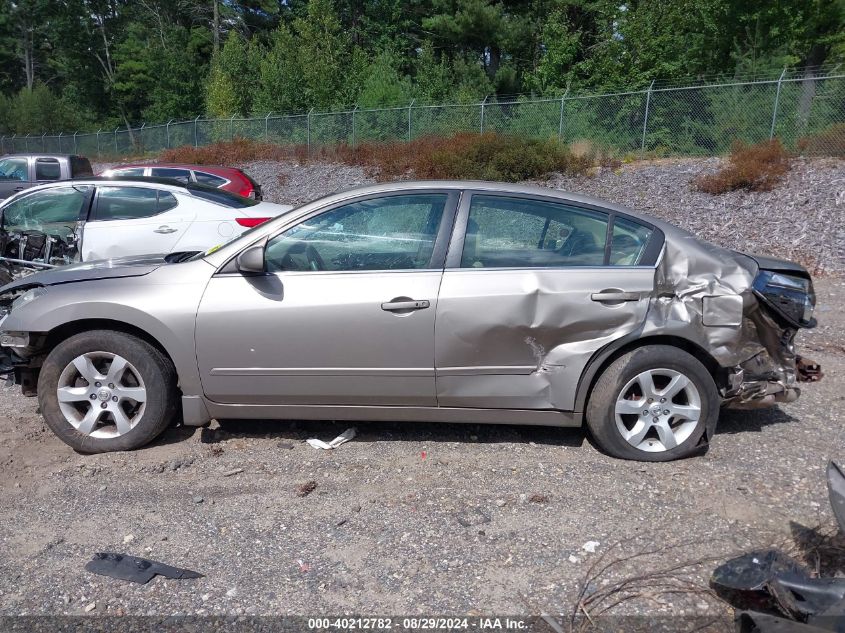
(658, 410)
(101, 395)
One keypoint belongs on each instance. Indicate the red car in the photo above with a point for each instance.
(227, 178)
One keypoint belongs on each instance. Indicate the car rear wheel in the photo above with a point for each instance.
(653, 404)
(105, 391)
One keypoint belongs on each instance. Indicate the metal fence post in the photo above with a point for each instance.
(410, 105)
(60, 141)
(645, 116)
(232, 128)
(75, 146)
(267, 126)
(483, 103)
(777, 101)
(560, 123)
(308, 130)
(98, 142)
(166, 132)
(26, 143)
(196, 137)
(43, 141)
(3, 144)
(115, 138)
(353, 126)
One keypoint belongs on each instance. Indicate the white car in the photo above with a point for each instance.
(82, 220)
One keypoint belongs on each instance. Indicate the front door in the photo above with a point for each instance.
(531, 291)
(344, 314)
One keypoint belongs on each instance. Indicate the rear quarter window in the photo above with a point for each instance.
(209, 179)
(221, 197)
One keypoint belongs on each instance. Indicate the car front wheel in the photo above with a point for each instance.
(653, 404)
(105, 391)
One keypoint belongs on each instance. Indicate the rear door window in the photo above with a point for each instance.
(14, 169)
(182, 175)
(47, 169)
(504, 232)
(209, 179)
(130, 203)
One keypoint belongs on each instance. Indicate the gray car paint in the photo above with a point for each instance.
(262, 347)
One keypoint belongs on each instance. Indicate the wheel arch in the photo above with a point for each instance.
(604, 357)
(66, 330)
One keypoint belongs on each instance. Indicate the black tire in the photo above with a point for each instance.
(158, 375)
(601, 407)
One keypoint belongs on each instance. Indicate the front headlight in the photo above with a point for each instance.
(789, 296)
(27, 297)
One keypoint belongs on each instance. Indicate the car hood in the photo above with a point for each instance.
(88, 271)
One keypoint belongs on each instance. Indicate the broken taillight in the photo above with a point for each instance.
(250, 222)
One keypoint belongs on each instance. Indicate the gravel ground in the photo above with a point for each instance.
(412, 519)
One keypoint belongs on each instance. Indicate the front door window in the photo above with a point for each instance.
(388, 233)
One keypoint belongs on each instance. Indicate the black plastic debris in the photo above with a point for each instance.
(836, 491)
(752, 622)
(133, 569)
(774, 593)
(747, 582)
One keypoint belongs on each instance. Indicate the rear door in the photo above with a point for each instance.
(14, 175)
(129, 220)
(532, 288)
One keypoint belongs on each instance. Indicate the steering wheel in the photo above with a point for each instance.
(302, 256)
(315, 262)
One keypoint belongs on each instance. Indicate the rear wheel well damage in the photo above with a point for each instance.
(604, 358)
(28, 376)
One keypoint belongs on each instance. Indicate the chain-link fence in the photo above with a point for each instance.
(805, 111)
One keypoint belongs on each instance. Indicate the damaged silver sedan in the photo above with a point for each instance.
(419, 302)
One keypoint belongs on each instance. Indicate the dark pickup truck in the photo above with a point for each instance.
(22, 171)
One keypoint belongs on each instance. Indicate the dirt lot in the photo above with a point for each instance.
(411, 519)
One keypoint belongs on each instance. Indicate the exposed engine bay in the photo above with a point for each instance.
(25, 252)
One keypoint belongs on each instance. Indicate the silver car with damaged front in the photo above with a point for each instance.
(419, 302)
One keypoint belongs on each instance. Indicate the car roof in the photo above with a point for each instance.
(211, 169)
(40, 155)
(500, 187)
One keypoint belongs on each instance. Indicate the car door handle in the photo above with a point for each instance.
(612, 296)
(17, 189)
(405, 305)
(165, 229)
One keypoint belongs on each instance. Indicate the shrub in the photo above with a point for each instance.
(462, 156)
(753, 167)
(238, 150)
(829, 142)
(467, 156)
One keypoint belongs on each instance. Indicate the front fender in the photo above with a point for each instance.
(165, 311)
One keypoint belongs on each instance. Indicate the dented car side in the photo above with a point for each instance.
(473, 334)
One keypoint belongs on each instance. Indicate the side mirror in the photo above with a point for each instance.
(252, 260)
